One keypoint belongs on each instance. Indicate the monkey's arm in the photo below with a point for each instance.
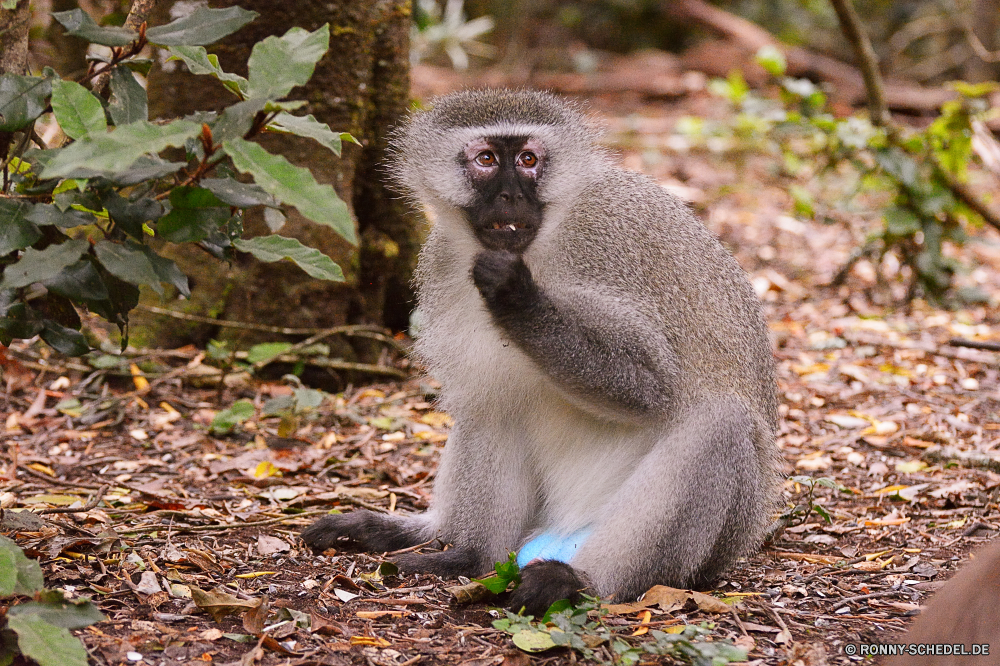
(605, 357)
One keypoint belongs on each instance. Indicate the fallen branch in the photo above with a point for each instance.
(848, 84)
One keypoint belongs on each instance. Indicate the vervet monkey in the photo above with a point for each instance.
(605, 361)
(966, 612)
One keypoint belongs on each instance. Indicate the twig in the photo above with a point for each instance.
(355, 330)
(341, 365)
(777, 618)
(975, 344)
(174, 527)
(866, 597)
(850, 24)
(87, 507)
(137, 15)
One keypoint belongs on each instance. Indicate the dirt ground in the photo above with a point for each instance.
(873, 394)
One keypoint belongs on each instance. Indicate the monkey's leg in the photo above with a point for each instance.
(484, 498)
(698, 500)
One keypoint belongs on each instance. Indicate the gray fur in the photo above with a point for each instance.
(676, 469)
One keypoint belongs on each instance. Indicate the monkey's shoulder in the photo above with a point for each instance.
(625, 223)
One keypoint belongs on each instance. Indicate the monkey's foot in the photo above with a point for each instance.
(544, 583)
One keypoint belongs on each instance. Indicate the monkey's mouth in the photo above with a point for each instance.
(514, 235)
(509, 226)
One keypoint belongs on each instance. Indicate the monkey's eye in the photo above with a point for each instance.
(486, 159)
(527, 159)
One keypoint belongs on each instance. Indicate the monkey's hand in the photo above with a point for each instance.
(504, 281)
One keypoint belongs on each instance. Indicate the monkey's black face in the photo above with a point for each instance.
(504, 173)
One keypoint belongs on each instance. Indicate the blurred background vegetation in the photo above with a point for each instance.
(896, 148)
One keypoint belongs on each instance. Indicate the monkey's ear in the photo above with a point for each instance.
(543, 583)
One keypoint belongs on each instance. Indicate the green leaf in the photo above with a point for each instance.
(533, 640)
(195, 213)
(901, 222)
(139, 65)
(64, 340)
(49, 214)
(293, 185)
(38, 265)
(235, 193)
(236, 120)
(22, 99)
(974, 89)
(147, 167)
(45, 643)
(19, 328)
(278, 64)
(79, 24)
(308, 127)
(276, 248)
(507, 572)
(122, 298)
(18, 574)
(311, 399)
(16, 230)
(139, 265)
(128, 215)
(78, 282)
(108, 154)
(128, 102)
(266, 351)
(228, 419)
(78, 111)
(203, 26)
(60, 613)
(199, 61)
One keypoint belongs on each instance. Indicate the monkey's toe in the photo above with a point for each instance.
(544, 583)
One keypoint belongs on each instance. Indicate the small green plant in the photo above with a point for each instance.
(83, 224)
(227, 420)
(302, 403)
(581, 628)
(800, 513)
(507, 572)
(38, 629)
(918, 176)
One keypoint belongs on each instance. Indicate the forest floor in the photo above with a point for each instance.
(874, 398)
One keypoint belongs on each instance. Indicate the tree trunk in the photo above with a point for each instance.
(14, 38)
(361, 86)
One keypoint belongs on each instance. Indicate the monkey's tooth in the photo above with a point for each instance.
(512, 227)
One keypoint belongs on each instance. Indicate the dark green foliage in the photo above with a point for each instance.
(39, 629)
(87, 221)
